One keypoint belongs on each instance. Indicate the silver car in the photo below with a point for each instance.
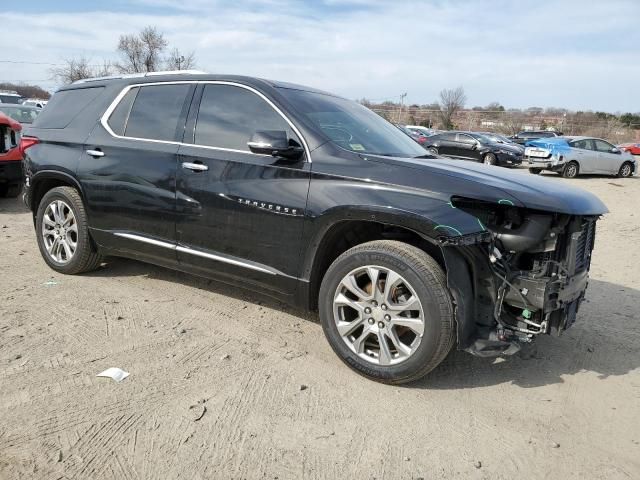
(571, 156)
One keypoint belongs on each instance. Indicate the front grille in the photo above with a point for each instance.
(585, 245)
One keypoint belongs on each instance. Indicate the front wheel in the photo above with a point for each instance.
(625, 170)
(63, 233)
(433, 150)
(489, 159)
(386, 311)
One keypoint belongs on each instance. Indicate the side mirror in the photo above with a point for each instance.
(475, 146)
(275, 143)
(615, 150)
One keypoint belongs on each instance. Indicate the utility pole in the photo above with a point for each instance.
(401, 104)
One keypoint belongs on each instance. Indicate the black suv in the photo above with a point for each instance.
(316, 201)
(523, 137)
(473, 146)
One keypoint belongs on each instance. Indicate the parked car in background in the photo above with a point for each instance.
(10, 96)
(523, 137)
(571, 156)
(427, 132)
(24, 114)
(212, 175)
(473, 146)
(10, 157)
(34, 102)
(632, 148)
(498, 138)
(415, 136)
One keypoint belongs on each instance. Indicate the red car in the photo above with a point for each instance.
(11, 176)
(632, 148)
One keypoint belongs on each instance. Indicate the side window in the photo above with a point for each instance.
(448, 137)
(229, 116)
(118, 119)
(65, 105)
(602, 146)
(582, 144)
(156, 111)
(466, 139)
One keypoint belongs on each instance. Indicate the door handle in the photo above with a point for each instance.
(196, 167)
(95, 153)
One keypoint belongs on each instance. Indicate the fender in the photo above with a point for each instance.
(426, 227)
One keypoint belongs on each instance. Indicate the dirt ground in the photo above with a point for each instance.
(218, 376)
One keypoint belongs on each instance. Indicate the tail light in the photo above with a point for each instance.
(27, 142)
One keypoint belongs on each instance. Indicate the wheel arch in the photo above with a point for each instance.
(344, 229)
(45, 180)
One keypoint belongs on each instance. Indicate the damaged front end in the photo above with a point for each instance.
(524, 275)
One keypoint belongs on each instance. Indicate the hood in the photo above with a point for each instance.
(506, 147)
(497, 184)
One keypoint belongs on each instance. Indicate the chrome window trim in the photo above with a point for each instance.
(105, 116)
(190, 251)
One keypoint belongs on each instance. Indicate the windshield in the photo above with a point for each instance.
(353, 126)
(20, 114)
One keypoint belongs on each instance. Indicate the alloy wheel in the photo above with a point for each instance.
(626, 170)
(60, 231)
(378, 315)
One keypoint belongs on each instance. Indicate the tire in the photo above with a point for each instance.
(421, 278)
(535, 171)
(626, 170)
(433, 150)
(12, 190)
(489, 159)
(85, 256)
(571, 170)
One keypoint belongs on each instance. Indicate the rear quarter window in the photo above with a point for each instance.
(65, 105)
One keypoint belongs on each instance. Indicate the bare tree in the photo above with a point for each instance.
(71, 70)
(450, 102)
(179, 61)
(514, 121)
(141, 52)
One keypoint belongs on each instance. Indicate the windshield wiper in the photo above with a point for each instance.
(426, 155)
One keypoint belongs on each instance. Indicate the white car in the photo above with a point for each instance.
(34, 102)
(571, 156)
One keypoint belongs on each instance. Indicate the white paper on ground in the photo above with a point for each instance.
(116, 373)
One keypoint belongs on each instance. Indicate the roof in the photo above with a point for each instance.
(187, 75)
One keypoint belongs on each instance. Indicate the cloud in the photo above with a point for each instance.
(527, 53)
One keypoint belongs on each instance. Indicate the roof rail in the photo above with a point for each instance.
(140, 75)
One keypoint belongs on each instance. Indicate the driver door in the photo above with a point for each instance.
(240, 214)
(608, 162)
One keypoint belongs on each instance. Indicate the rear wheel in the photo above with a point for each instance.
(535, 171)
(571, 170)
(63, 233)
(386, 311)
(490, 159)
(625, 170)
(11, 190)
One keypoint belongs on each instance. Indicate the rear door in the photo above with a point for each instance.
(582, 152)
(240, 214)
(447, 144)
(128, 170)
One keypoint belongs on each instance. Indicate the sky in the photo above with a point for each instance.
(581, 55)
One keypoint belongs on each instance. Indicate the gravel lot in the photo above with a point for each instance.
(225, 384)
